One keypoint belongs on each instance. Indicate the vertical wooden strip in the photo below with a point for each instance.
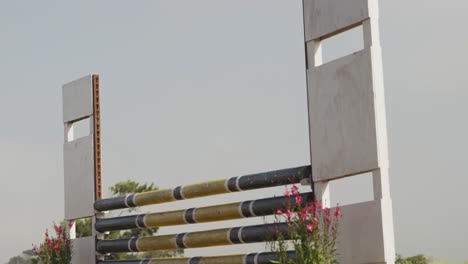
(97, 138)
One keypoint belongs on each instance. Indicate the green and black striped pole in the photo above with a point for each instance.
(234, 184)
(208, 238)
(261, 207)
(252, 258)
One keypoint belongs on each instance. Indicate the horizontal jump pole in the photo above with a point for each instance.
(253, 208)
(234, 184)
(209, 238)
(252, 258)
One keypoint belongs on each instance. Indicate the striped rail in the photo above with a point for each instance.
(253, 258)
(234, 184)
(209, 238)
(261, 207)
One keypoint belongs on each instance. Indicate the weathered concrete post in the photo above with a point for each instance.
(348, 134)
(82, 160)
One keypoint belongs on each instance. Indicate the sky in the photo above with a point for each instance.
(208, 89)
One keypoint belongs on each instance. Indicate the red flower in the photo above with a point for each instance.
(58, 229)
(327, 210)
(46, 233)
(56, 245)
(315, 220)
(294, 190)
(298, 200)
(278, 211)
(318, 205)
(337, 212)
(287, 193)
(310, 227)
(288, 214)
(329, 219)
(303, 213)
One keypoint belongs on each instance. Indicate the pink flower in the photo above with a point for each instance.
(329, 219)
(56, 245)
(288, 214)
(318, 205)
(315, 220)
(58, 229)
(287, 193)
(294, 190)
(337, 212)
(278, 211)
(46, 233)
(298, 200)
(327, 210)
(310, 227)
(303, 213)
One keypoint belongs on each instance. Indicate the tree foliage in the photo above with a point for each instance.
(129, 186)
(25, 258)
(418, 259)
(19, 260)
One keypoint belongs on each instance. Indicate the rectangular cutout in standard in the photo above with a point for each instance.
(352, 189)
(80, 129)
(342, 44)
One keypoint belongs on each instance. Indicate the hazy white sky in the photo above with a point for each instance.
(207, 89)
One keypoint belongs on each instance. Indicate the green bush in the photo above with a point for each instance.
(418, 259)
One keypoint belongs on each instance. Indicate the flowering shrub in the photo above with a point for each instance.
(313, 232)
(55, 250)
